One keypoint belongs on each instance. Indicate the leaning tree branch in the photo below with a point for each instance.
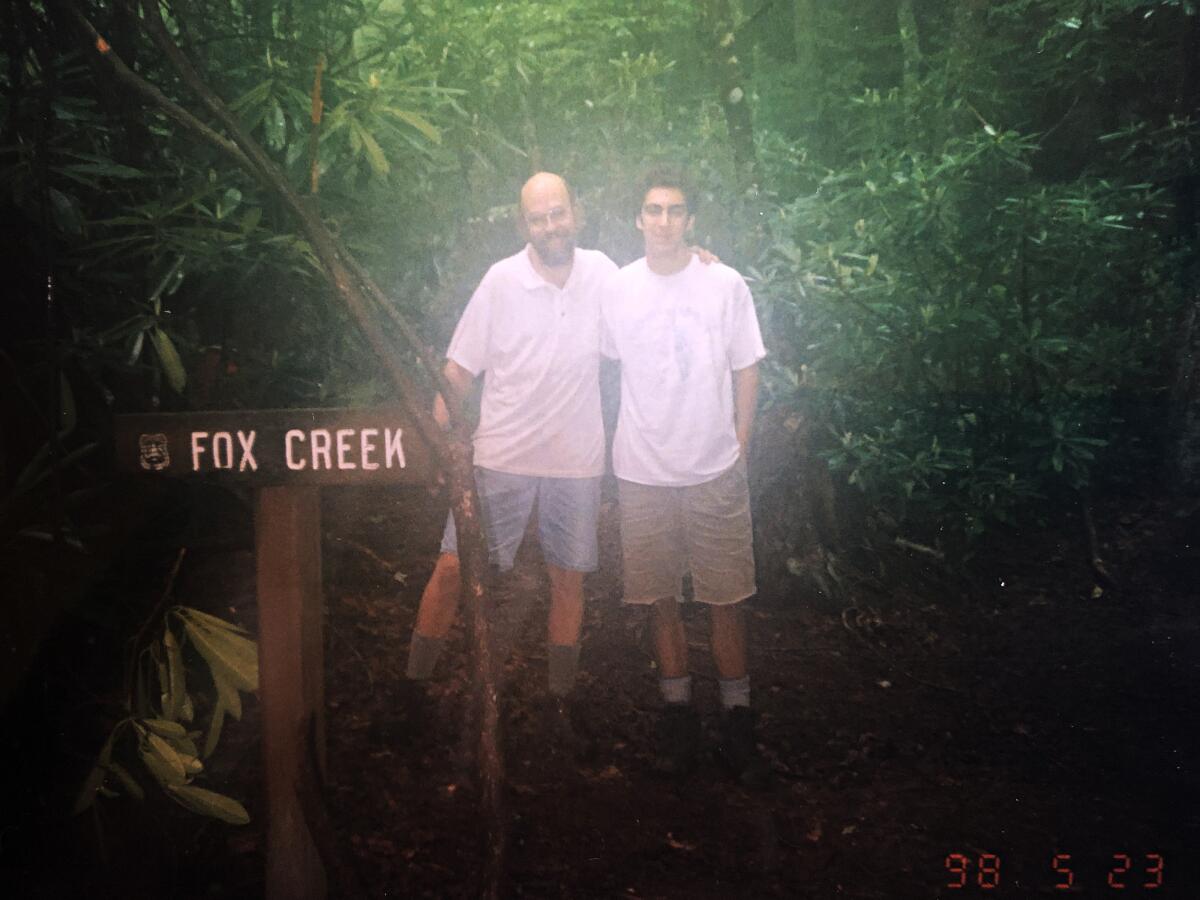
(154, 96)
(414, 340)
(1095, 558)
(349, 281)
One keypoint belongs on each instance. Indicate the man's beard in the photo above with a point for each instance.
(555, 249)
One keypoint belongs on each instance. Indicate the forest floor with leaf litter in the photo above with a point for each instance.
(1007, 719)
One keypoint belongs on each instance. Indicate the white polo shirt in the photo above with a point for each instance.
(538, 348)
(679, 338)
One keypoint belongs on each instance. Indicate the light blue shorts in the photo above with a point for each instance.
(568, 510)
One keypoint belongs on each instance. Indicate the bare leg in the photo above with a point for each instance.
(566, 605)
(439, 602)
(728, 640)
(670, 642)
(566, 618)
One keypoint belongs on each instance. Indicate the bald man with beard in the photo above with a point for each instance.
(531, 331)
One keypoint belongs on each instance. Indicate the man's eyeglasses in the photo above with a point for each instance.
(556, 216)
(675, 211)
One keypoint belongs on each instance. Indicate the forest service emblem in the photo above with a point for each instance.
(153, 453)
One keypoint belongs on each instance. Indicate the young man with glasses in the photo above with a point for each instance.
(688, 342)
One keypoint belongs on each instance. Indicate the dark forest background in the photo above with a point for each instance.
(970, 229)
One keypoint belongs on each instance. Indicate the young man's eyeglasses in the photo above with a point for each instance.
(675, 211)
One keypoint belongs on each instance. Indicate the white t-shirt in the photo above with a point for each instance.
(679, 338)
(539, 349)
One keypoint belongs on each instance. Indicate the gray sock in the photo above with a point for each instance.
(735, 692)
(423, 653)
(676, 690)
(564, 663)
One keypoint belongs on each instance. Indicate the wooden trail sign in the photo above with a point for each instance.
(277, 446)
(287, 455)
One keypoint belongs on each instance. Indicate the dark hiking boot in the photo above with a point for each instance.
(564, 730)
(678, 740)
(738, 751)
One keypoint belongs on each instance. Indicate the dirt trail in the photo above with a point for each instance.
(1021, 719)
(923, 733)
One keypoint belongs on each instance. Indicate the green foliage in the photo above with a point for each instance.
(157, 733)
(964, 228)
(969, 331)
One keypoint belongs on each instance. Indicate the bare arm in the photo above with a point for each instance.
(745, 402)
(460, 382)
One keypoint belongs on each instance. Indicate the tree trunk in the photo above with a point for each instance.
(732, 88)
(910, 49)
(969, 23)
(804, 32)
(967, 37)
(1183, 463)
(1184, 453)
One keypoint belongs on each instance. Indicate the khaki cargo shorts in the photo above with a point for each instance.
(704, 529)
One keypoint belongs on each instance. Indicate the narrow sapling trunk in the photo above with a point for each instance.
(733, 87)
(1183, 461)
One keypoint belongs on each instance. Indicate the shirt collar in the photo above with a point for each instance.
(531, 280)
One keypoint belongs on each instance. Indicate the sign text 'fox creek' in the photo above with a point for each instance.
(277, 446)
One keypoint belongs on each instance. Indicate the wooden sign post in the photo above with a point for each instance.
(287, 455)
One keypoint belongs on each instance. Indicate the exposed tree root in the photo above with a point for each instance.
(347, 880)
(1095, 560)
